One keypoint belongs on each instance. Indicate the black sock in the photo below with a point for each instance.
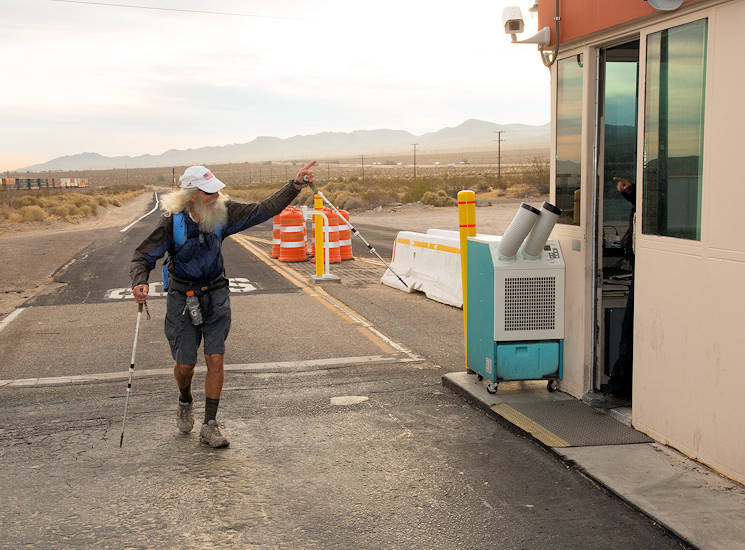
(210, 409)
(185, 394)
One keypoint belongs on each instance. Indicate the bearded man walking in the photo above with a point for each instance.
(196, 219)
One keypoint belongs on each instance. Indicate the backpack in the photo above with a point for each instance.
(179, 238)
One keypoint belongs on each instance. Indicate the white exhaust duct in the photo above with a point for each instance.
(519, 228)
(541, 230)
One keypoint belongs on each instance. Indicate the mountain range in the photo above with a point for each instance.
(471, 135)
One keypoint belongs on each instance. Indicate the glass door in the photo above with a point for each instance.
(617, 139)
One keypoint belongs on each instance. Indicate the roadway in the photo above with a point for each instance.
(341, 433)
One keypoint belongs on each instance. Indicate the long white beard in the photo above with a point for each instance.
(211, 216)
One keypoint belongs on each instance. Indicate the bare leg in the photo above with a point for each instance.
(183, 374)
(215, 375)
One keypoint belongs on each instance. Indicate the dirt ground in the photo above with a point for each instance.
(33, 252)
(418, 217)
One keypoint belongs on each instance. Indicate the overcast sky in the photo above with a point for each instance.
(127, 81)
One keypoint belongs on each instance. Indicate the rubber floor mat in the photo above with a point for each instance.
(568, 424)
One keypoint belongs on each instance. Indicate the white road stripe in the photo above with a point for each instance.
(273, 366)
(12, 315)
(144, 215)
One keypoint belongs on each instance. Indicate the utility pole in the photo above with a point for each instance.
(173, 177)
(414, 145)
(363, 167)
(499, 154)
(328, 171)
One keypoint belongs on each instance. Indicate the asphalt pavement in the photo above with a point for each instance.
(342, 435)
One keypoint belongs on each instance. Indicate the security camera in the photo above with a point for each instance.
(512, 19)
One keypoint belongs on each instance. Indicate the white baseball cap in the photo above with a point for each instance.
(201, 178)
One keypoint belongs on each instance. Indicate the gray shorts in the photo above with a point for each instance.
(185, 338)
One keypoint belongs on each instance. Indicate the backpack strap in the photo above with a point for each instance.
(179, 230)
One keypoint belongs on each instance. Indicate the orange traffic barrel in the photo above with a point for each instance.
(275, 236)
(292, 247)
(345, 237)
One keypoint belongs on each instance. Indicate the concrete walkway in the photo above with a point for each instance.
(688, 499)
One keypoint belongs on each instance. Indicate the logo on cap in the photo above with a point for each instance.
(208, 175)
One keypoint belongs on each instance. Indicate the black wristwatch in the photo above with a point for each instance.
(296, 183)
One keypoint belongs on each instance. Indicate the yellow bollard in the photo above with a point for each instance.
(318, 220)
(467, 223)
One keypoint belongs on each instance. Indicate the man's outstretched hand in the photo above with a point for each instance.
(305, 175)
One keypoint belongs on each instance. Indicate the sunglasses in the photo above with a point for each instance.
(209, 194)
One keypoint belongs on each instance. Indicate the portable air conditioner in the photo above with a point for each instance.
(515, 301)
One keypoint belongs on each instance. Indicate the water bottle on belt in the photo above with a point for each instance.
(192, 304)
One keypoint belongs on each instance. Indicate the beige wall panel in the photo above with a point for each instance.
(689, 366)
(575, 329)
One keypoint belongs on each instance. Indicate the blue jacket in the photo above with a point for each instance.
(200, 260)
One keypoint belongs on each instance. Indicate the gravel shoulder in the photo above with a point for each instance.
(418, 217)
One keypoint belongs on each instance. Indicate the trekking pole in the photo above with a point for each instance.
(131, 371)
(352, 228)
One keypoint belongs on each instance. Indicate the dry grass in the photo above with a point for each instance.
(61, 204)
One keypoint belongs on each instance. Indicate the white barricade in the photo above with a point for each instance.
(428, 263)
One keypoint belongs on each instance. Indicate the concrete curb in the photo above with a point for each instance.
(667, 517)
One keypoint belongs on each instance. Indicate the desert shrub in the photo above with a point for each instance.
(355, 203)
(15, 217)
(85, 210)
(415, 192)
(28, 200)
(102, 201)
(33, 213)
(60, 211)
(115, 202)
(73, 211)
(440, 198)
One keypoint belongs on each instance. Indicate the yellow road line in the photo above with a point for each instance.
(531, 426)
(258, 239)
(375, 340)
(324, 297)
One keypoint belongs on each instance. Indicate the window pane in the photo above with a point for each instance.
(620, 136)
(674, 129)
(569, 138)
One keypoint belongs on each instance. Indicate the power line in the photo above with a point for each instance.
(155, 8)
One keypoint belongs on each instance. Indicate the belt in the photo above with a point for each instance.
(181, 285)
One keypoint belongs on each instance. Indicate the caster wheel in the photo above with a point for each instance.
(492, 388)
(552, 386)
(480, 377)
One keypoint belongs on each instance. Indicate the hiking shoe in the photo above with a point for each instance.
(210, 435)
(184, 417)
